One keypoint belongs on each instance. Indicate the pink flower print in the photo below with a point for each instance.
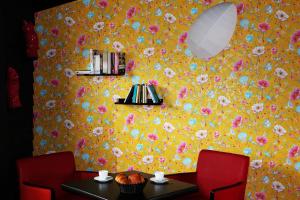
(130, 119)
(182, 38)
(206, 111)
(274, 50)
(294, 151)
(130, 65)
(237, 122)
(295, 37)
(183, 93)
(261, 140)
(54, 32)
(273, 107)
(103, 3)
(263, 83)
(216, 134)
(240, 8)
(272, 164)
(163, 51)
(263, 27)
(152, 137)
(54, 82)
(81, 143)
(81, 40)
(102, 109)
(131, 168)
(162, 159)
(81, 92)
(207, 2)
(153, 29)
(217, 78)
(102, 161)
(131, 12)
(111, 131)
(112, 25)
(54, 133)
(260, 196)
(181, 148)
(295, 94)
(238, 65)
(153, 82)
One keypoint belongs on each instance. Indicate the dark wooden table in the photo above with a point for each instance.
(111, 191)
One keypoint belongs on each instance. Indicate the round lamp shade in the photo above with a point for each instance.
(212, 30)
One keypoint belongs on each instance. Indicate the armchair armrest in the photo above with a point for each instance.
(31, 191)
(234, 191)
(85, 175)
(189, 177)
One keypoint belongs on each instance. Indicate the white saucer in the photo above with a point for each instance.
(164, 180)
(108, 178)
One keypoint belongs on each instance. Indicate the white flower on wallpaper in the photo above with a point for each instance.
(68, 124)
(281, 15)
(98, 131)
(98, 26)
(202, 78)
(148, 107)
(277, 186)
(281, 73)
(257, 51)
(115, 98)
(98, 79)
(258, 107)
(256, 164)
(279, 130)
(170, 18)
(117, 152)
(51, 53)
(50, 104)
(118, 46)
(224, 101)
(169, 127)
(149, 51)
(201, 134)
(169, 73)
(148, 159)
(69, 73)
(69, 21)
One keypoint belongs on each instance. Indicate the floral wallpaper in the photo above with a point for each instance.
(245, 100)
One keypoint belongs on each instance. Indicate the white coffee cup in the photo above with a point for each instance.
(103, 174)
(159, 176)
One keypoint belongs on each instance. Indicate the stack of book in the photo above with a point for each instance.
(139, 93)
(105, 63)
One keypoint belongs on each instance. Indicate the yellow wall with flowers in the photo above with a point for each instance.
(244, 100)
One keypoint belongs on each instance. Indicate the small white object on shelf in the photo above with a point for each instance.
(84, 72)
(108, 178)
(164, 180)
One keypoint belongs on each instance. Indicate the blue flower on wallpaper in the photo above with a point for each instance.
(106, 93)
(39, 79)
(192, 122)
(298, 109)
(139, 147)
(90, 119)
(85, 105)
(244, 23)
(58, 67)
(269, 9)
(267, 123)
(193, 66)
(58, 118)
(59, 16)
(158, 12)
(297, 166)
(247, 151)
(187, 161)
(298, 51)
(90, 14)
(188, 52)
(136, 25)
(108, 16)
(211, 94)
(212, 68)
(267, 154)
(43, 92)
(43, 143)
(158, 41)
(156, 120)
(266, 179)
(248, 94)
(134, 133)
(39, 130)
(157, 66)
(135, 79)
(140, 39)
(86, 53)
(268, 66)
(105, 145)
(86, 2)
(106, 121)
(39, 28)
(106, 40)
(187, 107)
(269, 40)
(242, 136)
(90, 169)
(244, 80)
(43, 42)
(194, 11)
(249, 38)
(85, 156)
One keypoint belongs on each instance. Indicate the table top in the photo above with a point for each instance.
(110, 190)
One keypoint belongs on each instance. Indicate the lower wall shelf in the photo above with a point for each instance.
(149, 102)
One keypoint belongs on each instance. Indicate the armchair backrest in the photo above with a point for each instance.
(215, 169)
(61, 164)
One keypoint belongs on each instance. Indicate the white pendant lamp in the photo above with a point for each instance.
(212, 30)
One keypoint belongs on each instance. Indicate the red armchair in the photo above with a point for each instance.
(219, 176)
(40, 177)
